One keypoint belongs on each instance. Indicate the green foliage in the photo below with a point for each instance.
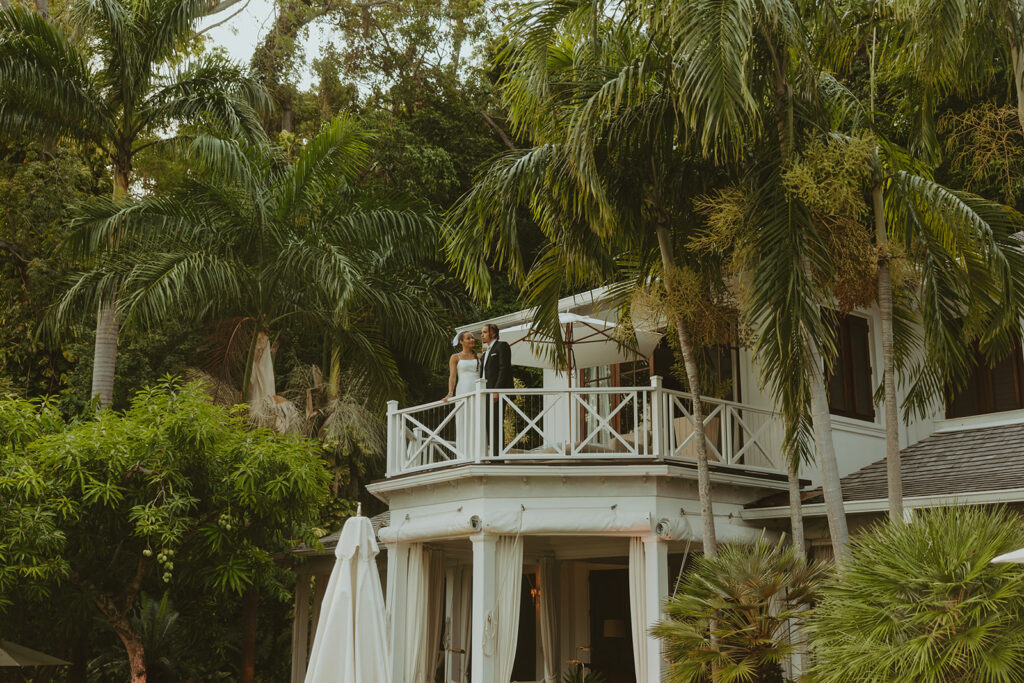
(31, 537)
(32, 263)
(734, 611)
(576, 676)
(923, 602)
(173, 490)
(164, 638)
(255, 239)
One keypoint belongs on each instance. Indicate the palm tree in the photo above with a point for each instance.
(952, 46)
(733, 613)
(923, 602)
(606, 181)
(959, 256)
(744, 68)
(115, 89)
(253, 237)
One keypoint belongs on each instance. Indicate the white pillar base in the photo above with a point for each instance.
(483, 662)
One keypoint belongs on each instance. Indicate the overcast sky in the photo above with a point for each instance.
(240, 35)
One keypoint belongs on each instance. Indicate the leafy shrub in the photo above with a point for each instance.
(923, 602)
(749, 593)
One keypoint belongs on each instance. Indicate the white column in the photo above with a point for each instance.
(398, 579)
(484, 662)
(656, 575)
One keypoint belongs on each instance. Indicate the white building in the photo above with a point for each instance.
(562, 547)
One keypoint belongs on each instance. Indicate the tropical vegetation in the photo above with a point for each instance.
(924, 602)
(738, 614)
(295, 237)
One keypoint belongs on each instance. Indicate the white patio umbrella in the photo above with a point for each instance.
(12, 654)
(350, 645)
(1014, 557)
(588, 342)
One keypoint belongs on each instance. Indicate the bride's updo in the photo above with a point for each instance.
(457, 339)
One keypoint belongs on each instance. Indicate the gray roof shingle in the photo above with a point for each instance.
(945, 463)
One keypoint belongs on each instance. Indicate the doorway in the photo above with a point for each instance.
(611, 645)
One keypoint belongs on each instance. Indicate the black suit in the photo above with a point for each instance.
(496, 368)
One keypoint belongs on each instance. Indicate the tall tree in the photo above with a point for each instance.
(606, 179)
(255, 239)
(110, 79)
(174, 489)
(744, 69)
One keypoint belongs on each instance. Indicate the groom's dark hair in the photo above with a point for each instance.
(493, 329)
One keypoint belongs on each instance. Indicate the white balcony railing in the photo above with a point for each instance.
(550, 425)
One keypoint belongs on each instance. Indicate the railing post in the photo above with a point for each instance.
(658, 418)
(394, 461)
(480, 426)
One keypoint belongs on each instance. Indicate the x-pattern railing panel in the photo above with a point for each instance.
(431, 437)
(605, 423)
(582, 423)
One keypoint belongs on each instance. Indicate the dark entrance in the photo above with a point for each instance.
(611, 646)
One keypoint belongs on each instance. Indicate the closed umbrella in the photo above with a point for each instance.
(12, 654)
(589, 342)
(350, 645)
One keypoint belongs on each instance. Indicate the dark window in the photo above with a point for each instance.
(720, 370)
(990, 389)
(849, 383)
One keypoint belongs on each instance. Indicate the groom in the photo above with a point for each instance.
(496, 368)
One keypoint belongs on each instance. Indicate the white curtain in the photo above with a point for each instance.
(464, 610)
(417, 562)
(509, 561)
(432, 652)
(638, 607)
(549, 604)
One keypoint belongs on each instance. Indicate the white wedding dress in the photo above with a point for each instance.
(466, 377)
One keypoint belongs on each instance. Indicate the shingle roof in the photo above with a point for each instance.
(330, 541)
(945, 463)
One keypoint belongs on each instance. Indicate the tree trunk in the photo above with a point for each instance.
(43, 8)
(693, 379)
(892, 426)
(250, 601)
(286, 116)
(796, 514)
(104, 357)
(825, 454)
(1017, 57)
(77, 672)
(129, 638)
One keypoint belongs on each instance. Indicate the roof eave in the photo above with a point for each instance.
(853, 507)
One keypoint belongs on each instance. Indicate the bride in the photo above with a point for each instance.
(463, 372)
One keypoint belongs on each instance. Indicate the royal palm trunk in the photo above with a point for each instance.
(892, 433)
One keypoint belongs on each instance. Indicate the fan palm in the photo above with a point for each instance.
(733, 613)
(923, 602)
(109, 80)
(255, 237)
(606, 181)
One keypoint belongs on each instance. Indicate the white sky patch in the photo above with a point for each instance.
(240, 34)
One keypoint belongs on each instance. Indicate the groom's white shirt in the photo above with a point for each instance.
(483, 363)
